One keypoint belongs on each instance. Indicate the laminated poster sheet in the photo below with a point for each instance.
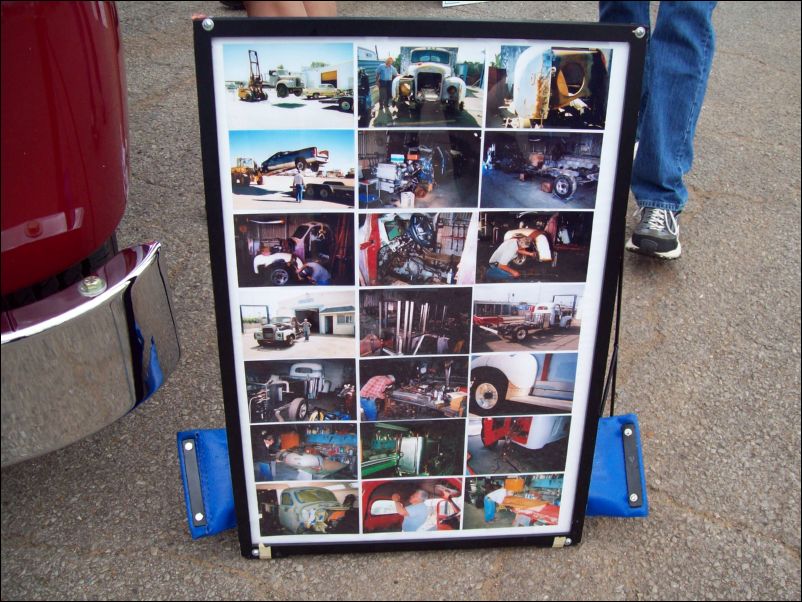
(415, 230)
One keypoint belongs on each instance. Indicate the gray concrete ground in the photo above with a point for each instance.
(710, 363)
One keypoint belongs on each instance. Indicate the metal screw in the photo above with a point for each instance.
(627, 432)
(208, 25)
(640, 32)
(188, 446)
(255, 553)
(199, 516)
(92, 286)
(633, 498)
(568, 541)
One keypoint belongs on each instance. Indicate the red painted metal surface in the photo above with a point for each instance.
(64, 136)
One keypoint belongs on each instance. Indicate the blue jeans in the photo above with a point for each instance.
(369, 406)
(678, 64)
(496, 274)
(490, 509)
(299, 193)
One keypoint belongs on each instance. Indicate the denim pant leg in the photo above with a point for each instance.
(675, 80)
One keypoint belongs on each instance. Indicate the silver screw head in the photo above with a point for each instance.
(255, 553)
(627, 432)
(633, 498)
(639, 32)
(92, 286)
(568, 541)
(188, 446)
(208, 24)
(199, 516)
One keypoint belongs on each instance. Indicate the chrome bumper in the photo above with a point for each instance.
(85, 356)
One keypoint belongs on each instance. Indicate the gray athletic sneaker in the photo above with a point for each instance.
(657, 234)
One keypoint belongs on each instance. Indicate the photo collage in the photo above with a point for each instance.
(410, 228)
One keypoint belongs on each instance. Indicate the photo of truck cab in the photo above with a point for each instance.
(304, 509)
(429, 78)
(302, 159)
(281, 331)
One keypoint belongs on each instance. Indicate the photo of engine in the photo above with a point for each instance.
(417, 248)
(415, 388)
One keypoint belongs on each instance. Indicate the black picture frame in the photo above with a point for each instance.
(205, 33)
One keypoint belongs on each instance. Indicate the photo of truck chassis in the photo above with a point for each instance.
(415, 248)
(295, 391)
(423, 388)
(414, 322)
(540, 170)
(435, 168)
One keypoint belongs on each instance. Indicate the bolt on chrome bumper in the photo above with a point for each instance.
(82, 358)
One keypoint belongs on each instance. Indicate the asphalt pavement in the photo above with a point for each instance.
(710, 363)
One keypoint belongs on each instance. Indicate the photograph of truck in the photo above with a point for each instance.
(543, 86)
(540, 170)
(418, 448)
(521, 444)
(304, 452)
(295, 249)
(422, 85)
(286, 85)
(500, 502)
(407, 321)
(317, 323)
(266, 167)
(527, 317)
(312, 508)
(533, 246)
(522, 383)
(420, 169)
(295, 391)
(417, 248)
(411, 388)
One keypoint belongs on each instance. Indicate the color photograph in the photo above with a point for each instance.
(413, 448)
(429, 85)
(308, 508)
(522, 383)
(295, 391)
(411, 505)
(527, 317)
(296, 452)
(553, 87)
(513, 501)
(540, 170)
(517, 444)
(299, 85)
(294, 249)
(292, 169)
(417, 248)
(418, 168)
(316, 323)
(411, 388)
(422, 321)
(533, 246)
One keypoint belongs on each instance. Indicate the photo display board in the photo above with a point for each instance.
(415, 235)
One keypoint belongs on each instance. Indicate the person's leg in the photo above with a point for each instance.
(490, 510)
(496, 274)
(369, 406)
(678, 64)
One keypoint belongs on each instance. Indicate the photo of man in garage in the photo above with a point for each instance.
(411, 505)
(499, 502)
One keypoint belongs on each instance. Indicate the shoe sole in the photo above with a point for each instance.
(673, 254)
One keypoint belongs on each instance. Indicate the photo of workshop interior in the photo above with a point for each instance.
(417, 248)
(410, 388)
(522, 444)
(533, 246)
(295, 391)
(311, 508)
(294, 249)
(324, 451)
(419, 169)
(500, 502)
(414, 322)
(416, 448)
